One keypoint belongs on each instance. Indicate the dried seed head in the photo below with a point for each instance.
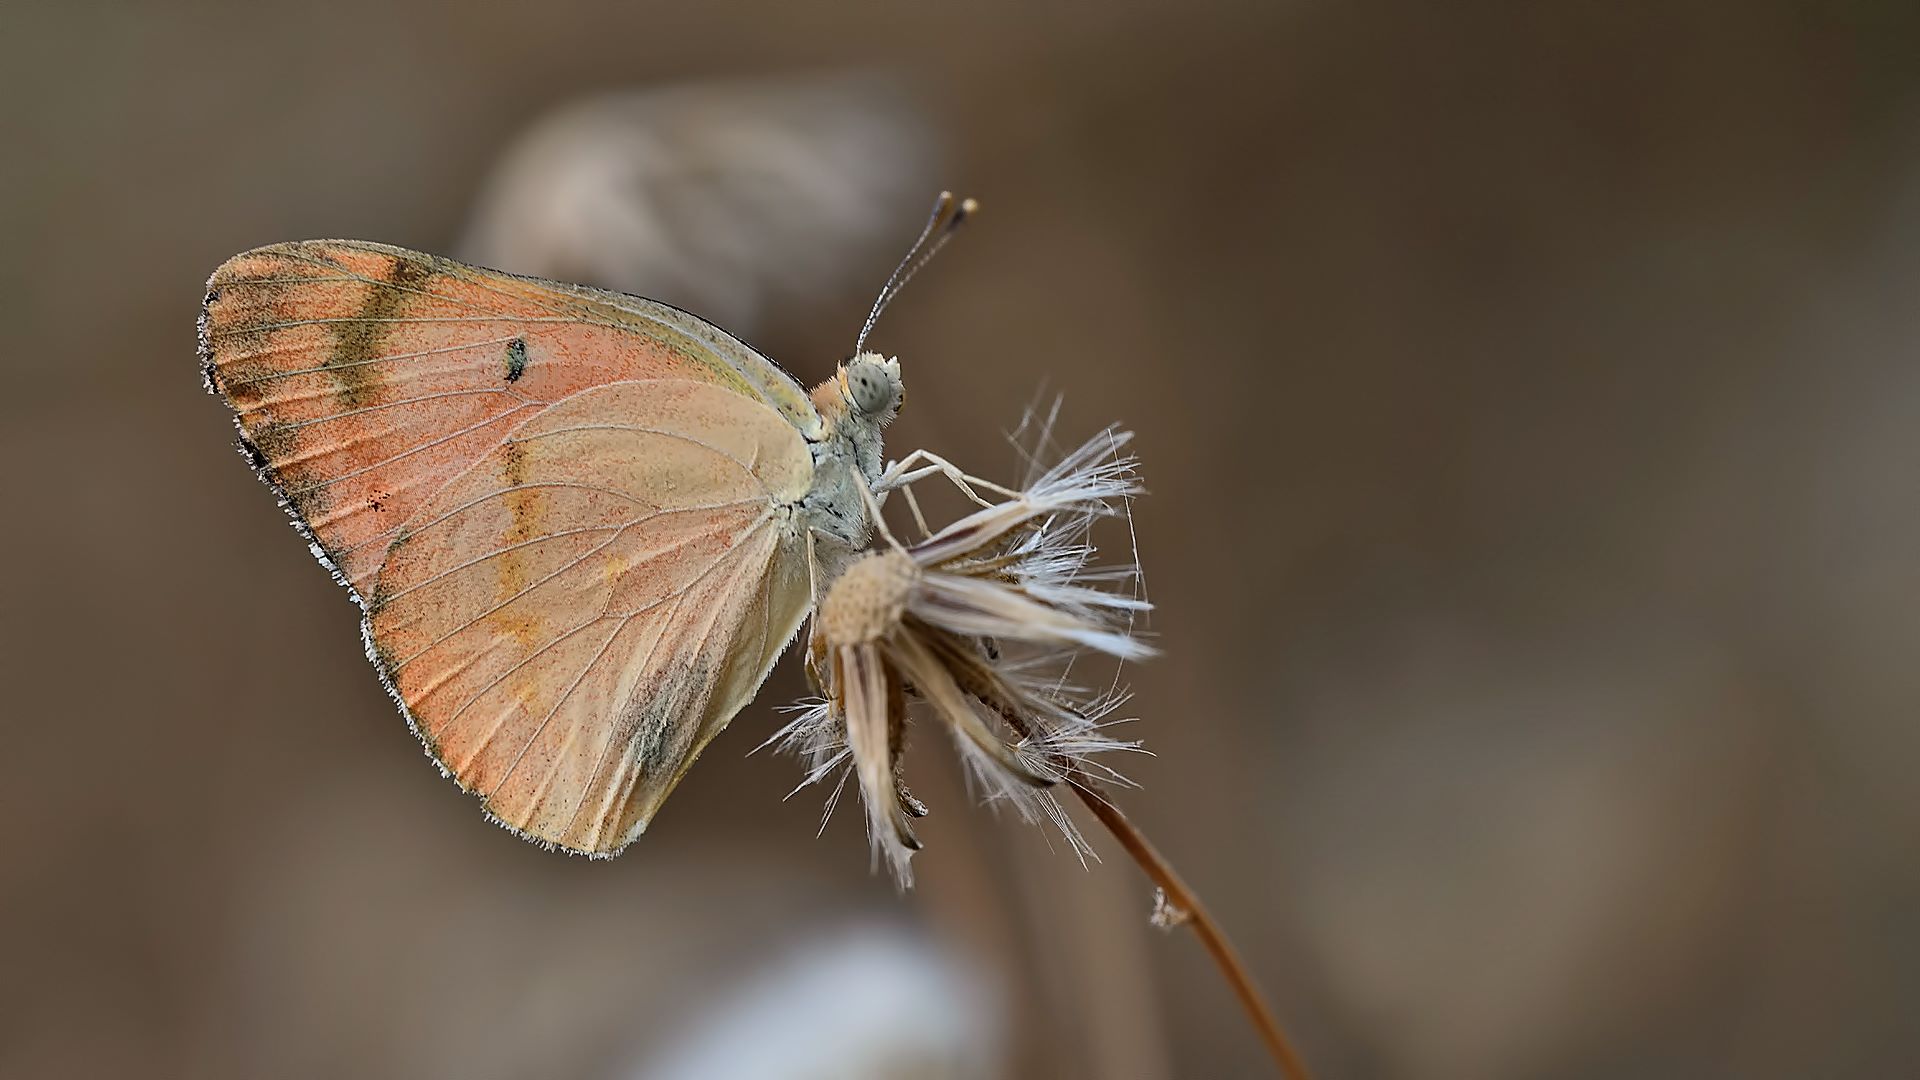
(977, 626)
(868, 600)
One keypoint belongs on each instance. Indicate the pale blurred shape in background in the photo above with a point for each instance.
(870, 1004)
(725, 199)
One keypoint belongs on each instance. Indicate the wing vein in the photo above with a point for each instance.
(496, 553)
(324, 368)
(433, 265)
(612, 734)
(487, 740)
(351, 413)
(463, 627)
(450, 269)
(565, 695)
(744, 467)
(288, 325)
(430, 444)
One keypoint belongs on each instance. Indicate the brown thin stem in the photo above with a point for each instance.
(974, 676)
(1186, 900)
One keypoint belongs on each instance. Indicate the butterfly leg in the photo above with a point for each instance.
(913, 507)
(873, 512)
(901, 477)
(904, 472)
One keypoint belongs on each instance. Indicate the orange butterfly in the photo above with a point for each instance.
(581, 526)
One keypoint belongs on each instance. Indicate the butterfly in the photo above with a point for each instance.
(581, 526)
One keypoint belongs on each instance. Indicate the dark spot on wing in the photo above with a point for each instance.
(516, 358)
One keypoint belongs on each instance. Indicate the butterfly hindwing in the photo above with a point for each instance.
(569, 516)
(574, 617)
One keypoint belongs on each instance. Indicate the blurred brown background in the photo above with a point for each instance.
(1529, 402)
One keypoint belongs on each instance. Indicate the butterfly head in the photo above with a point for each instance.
(868, 387)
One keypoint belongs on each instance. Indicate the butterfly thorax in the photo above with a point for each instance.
(855, 405)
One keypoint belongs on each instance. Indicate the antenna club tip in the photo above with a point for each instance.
(940, 227)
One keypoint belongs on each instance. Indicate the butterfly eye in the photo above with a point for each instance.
(871, 390)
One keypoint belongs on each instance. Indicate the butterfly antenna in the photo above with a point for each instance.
(947, 217)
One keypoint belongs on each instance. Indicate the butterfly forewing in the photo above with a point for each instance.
(568, 515)
(366, 376)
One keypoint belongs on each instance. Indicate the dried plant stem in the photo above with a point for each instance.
(1179, 895)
